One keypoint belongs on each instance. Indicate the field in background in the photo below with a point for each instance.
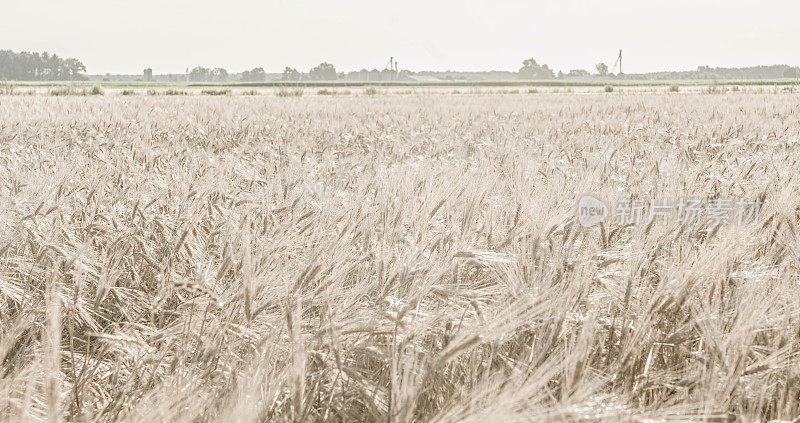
(415, 84)
(394, 258)
(286, 89)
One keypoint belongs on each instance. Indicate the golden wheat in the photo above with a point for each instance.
(394, 258)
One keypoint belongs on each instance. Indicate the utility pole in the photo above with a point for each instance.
(392, 68)
(618, 63)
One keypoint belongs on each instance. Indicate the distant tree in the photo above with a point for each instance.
(791, 73)
(27, 66)
(291, 74)
(560, 75)
(219, 75)
(52, 68)
(602, 69)
(75, 69)
(323, 72)
(578, 73)
(532, 70)
(254, 75)
(200, 74)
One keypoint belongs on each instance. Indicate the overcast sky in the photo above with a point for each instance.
(169, 36)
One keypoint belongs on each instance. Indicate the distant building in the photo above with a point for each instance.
(376, 75)
(148, 75)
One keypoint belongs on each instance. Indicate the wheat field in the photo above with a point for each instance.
(395, 258)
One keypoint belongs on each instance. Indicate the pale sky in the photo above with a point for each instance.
(169, 36)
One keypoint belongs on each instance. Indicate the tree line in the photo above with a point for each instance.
(530, 70)
(25, 66)
(707, 72)
(322, 72)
